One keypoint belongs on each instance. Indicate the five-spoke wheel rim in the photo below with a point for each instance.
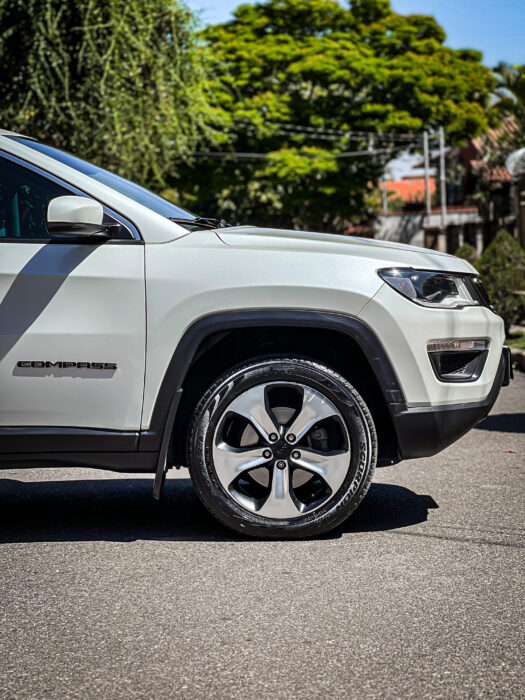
(281, 450)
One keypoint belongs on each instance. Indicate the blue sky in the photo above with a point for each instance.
(495, 27)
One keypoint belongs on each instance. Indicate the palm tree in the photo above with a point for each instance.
(509, 103)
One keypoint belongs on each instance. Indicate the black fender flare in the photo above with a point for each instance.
(157, 436)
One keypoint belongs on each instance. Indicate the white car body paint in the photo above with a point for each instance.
(72, 303)
(405, 331)
(131, 304)
(71, 208)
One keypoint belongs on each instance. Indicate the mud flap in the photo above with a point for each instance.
(165, 461)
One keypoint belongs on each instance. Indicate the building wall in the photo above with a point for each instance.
(412, 227)
(404, 228)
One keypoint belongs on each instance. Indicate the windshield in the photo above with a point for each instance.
(130, 189)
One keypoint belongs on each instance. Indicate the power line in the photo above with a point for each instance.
(373, 138)
(321, 130)
(264, 156)
(334, 134)
(368, 152)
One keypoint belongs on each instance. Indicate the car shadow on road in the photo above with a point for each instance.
(504, 423)
(122, 510)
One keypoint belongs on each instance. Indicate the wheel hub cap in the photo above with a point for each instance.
(282, 450)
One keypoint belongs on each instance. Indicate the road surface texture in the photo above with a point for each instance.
(105, 593)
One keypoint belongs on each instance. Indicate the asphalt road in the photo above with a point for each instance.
(105, 593)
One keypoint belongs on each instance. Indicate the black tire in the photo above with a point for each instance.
(332, 386)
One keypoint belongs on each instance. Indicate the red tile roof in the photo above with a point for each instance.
(508, 128)
(491, 173)
(410, 189)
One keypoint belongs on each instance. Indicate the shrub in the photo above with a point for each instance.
(467, 252)
(502, 271)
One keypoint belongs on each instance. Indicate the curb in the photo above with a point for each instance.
(518, 358)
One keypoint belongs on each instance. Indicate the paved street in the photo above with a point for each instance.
(105, 593)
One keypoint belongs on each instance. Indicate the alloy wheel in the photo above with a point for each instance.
(281, 449)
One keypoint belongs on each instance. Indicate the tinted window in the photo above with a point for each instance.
(126, 187)
(24, 197)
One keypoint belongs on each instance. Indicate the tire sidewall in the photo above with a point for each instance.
(358, 422)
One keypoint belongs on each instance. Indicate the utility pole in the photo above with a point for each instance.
(383, 190)
(442, 238)
(427, 173)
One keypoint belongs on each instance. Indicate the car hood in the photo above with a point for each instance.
(385, 252)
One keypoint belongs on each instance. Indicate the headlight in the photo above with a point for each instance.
(436, 289)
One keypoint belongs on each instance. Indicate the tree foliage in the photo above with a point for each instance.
(467, 252)
(502, 271)
(120, 82)
(316, 64)
(510, 93)
(508, 107)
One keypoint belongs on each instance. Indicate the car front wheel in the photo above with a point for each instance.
(282, 448)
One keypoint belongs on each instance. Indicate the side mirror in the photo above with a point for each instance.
(72, 217)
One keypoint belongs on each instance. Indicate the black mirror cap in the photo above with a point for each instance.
(78, 231)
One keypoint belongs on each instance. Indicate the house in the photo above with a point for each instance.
(407, 220)
(408, 192)
(478, 194)
(515, 164)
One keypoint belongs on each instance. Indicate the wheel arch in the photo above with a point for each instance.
(216, 342)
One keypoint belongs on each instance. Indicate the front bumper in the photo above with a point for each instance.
(424, 431)
(405, 329)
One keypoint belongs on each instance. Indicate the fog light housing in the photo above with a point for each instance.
(458, 359)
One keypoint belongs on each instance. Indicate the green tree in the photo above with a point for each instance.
(467, 252)
(120, 82)
(507, 112)
(316, 65)
(510, 96)
(502, 271)
(508, 108)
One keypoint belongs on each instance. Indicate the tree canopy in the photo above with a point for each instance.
(509, 107)
(510, 93)
(121, 82)
(295, 69)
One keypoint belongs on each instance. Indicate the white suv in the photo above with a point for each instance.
(279, 366)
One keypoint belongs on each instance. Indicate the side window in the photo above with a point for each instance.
(24, 196)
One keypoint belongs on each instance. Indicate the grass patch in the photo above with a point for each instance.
(516, 340)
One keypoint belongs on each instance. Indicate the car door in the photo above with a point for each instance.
(72, 319)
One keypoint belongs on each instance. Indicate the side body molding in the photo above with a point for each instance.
(168, 398)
